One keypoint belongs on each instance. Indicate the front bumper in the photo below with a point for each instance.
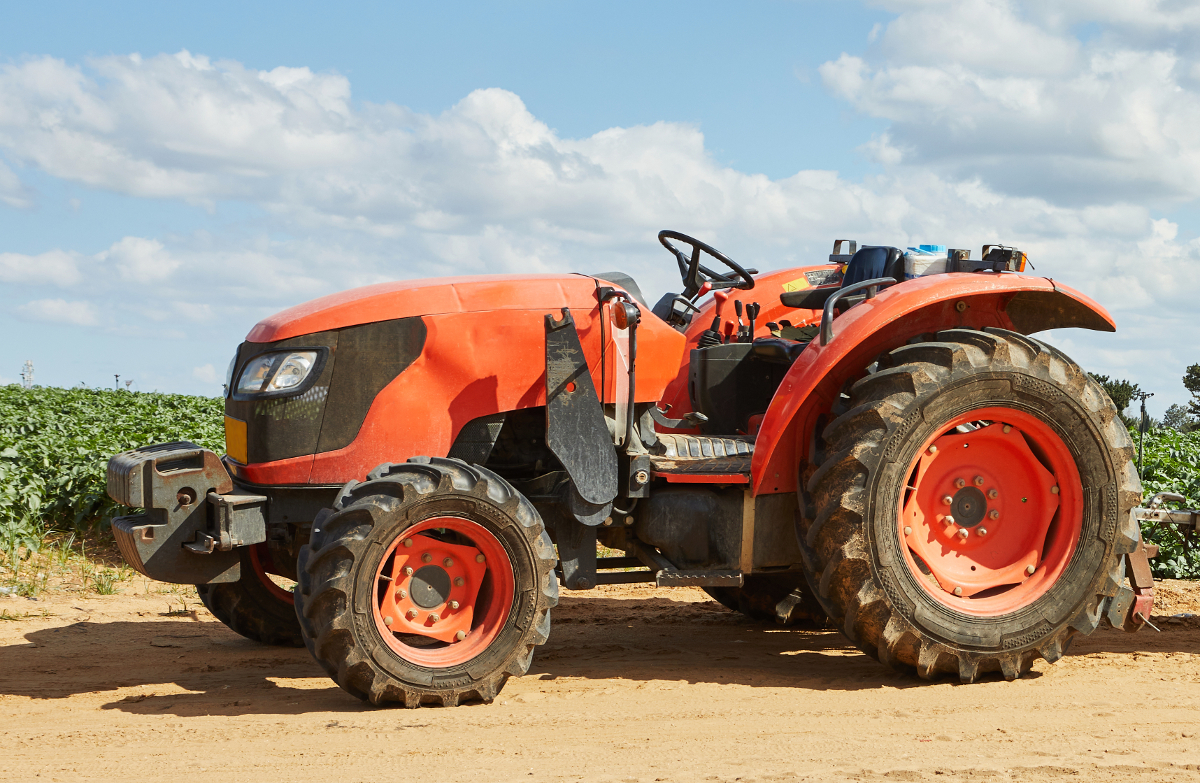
(192, 524)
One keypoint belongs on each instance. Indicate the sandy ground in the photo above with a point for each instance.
(635, 684)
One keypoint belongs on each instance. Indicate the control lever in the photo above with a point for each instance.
(712, 335)
(737, 308)
(752, 311)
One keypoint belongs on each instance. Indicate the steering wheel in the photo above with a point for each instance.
(695, 275)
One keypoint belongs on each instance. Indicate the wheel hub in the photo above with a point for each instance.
(978, 513)
(430, 587)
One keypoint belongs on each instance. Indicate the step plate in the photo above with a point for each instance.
(699, 578)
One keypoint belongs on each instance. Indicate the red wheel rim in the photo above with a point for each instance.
(262, 560)
(991, 516)
(444, 590)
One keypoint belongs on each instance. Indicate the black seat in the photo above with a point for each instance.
(868, 263)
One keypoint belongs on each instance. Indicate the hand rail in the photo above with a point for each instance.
(827, 317)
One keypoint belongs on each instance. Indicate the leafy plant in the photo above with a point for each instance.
(1172, 464)
(55, 445)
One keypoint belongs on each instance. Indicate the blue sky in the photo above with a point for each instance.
(251, 156)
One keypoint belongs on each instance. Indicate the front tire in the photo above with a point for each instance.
(254, 606)
(429, 583)
(973, 507)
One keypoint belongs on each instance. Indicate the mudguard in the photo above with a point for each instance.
(921, 306)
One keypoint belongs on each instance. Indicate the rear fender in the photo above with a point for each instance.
(925, 305)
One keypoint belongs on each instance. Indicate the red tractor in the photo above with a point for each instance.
(430, 459)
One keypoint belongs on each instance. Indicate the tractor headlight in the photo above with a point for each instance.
(276, 372)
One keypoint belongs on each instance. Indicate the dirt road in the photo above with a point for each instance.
(635, 684)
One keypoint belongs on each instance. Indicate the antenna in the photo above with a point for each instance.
(27, 374)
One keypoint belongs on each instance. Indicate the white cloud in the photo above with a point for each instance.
(59, 311)
(206, 373)
(140, 259)
(56, 267)
(13, 192)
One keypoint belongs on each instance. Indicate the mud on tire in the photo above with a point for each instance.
(343, 574)
(254, 606)
(856, 553)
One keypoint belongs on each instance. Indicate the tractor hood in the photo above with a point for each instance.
(430, 296)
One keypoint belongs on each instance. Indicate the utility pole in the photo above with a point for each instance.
(27, 374)
(117, 382)
(1142, 425)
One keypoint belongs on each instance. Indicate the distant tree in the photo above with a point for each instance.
(1191, 381)
(1177, 418)
(1121, 392)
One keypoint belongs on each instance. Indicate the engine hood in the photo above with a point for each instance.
(429, 296)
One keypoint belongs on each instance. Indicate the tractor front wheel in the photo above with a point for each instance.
(254, 606)
(429, 583)
(972, 511)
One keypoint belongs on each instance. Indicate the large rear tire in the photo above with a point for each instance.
(972, 506)
(254, 606)
(429, 583)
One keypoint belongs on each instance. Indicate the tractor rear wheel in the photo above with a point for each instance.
(254, 606)
(429, 583)
(972, 508)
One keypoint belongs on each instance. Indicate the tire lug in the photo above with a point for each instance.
(460, 635)
(979, 481)
(459, 581)
(426, 558)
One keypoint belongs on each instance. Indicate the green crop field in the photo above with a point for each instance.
(55, 444)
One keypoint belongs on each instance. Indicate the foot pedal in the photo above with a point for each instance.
(699, 578)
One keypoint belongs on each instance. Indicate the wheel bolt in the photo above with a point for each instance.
(1007, 428)
(1030, 569)
(979, 481)
(1054, 490)
(948, 520)
(454, 604)
(963, 533)
(459, 582)
(408, 542)
(401, 594)
(958, 591)
(933, 449)
(425, 558)
(993, 514)
(960, 483)
(388, 621)
(460, 635)
(947, 500)
(408, 571)
(411, 614)
(993, 494)
(435, 617)
(448, 562)
(983, 531)
(907, 530)
(479, 558)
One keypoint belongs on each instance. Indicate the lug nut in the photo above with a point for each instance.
(408, 571)
(948, 520)
(411, 614)
(388, 621)
(426, 558)
(401, 594)
(993, 494)
(1054, 490)
(454, 604)
(449, 561)
(933, 449)
(907, 530)
(958, 591)
(960, 483)
(460, 635)
(993, 514)
(963, 533)
(948, 500)
(983, 531)
(435, 617)
(979, 481)
(458, 581)
(479, 558)
(1030, 569)
(607, 521)
(408, 542)
(1007, 428)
